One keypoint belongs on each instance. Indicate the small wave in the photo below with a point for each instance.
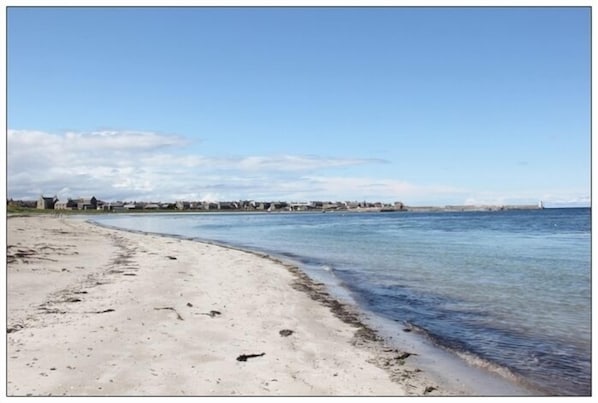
(479, 362)
(290, 255)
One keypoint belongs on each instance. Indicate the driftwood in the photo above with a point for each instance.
(14, 328)
(178, 316)
(244, 357)
(211, 314)
(404, 355)
(105, 311)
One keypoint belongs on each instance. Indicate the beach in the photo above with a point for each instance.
(94, 311)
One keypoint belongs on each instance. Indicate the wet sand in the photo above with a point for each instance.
(94, 311)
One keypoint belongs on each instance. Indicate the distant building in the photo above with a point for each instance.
(207, 205)
(69, 204)
(182, 205)
(300, 206)
(87, 203)
(227, 206)
(114, 206)
(44, 203)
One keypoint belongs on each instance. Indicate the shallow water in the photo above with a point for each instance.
(507, 289)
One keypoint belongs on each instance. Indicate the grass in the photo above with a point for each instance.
(35, 211)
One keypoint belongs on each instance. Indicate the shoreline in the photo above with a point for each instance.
(461, 373)
(30, 211)
(468, 374)
(323, 349)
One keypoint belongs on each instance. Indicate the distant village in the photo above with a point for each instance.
(94, 204)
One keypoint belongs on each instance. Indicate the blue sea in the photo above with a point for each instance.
(510, 288)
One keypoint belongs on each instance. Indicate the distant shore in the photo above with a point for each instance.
(19, 210)
(96, 311)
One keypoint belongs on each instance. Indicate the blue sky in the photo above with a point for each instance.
(429, 106)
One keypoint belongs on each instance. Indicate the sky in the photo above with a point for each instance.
(428, 106)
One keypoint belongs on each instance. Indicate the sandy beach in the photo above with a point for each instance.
(97, 311)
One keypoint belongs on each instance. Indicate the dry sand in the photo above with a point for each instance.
(97, 311)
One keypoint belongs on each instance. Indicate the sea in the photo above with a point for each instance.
(506, 291)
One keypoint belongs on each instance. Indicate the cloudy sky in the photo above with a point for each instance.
(429, 106)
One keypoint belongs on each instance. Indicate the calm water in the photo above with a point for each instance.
(510, 288)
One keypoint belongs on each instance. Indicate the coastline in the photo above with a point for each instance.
(98, 311)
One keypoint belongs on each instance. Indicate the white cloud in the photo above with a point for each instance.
(144, 165)
(123, 140)
(278, 163)
(83, 163)
(132, 165)
(383, 189)
(298, 163)
(566, 197)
